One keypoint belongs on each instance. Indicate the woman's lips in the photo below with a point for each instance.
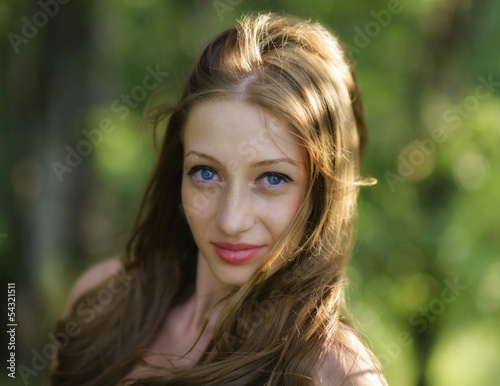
(236, 253)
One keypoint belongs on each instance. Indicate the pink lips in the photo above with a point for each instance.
(236, 253)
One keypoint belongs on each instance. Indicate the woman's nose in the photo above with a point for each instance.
(235, 210)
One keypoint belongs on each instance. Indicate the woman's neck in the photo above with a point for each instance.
(208, 293)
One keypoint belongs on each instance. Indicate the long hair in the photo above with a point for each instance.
(273, 329)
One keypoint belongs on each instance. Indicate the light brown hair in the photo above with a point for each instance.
(274, 329)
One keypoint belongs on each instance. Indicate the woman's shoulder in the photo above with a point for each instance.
(349, 362)
(93, 276)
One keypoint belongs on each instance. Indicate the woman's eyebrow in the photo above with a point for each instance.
(202, 155)
(254, 164)
(274, 161)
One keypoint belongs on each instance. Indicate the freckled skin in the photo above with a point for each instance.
(227, 195)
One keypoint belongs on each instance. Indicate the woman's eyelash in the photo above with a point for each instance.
(281, 175)
(194, 169)
(197, 168)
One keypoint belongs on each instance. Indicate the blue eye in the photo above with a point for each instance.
(274, 179)
(206, 174)
(203, 173)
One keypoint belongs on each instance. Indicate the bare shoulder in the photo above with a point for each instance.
(93, 276)
(349, 362)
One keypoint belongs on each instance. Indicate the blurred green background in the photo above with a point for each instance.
(425, 274)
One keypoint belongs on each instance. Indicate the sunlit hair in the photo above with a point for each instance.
(274, 329)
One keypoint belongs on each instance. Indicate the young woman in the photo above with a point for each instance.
(235, 271)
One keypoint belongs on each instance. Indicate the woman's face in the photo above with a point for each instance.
(244, 179)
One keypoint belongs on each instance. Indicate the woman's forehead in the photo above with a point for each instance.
(226, 126)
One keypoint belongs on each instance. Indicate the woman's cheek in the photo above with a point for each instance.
(279, 213)
(197, 200)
